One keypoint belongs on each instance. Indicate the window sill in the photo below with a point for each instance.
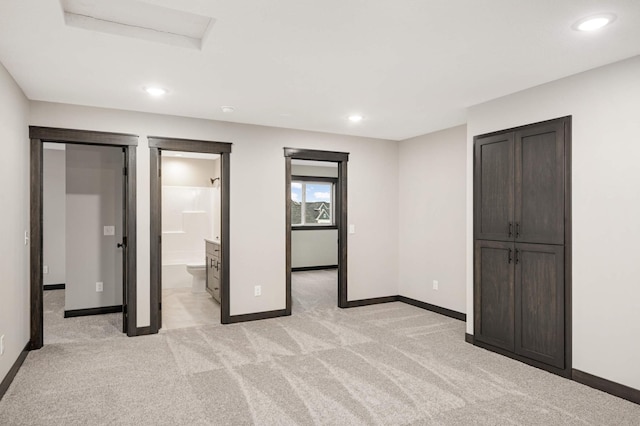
(313, 228)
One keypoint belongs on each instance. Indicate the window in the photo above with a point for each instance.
(312, 202)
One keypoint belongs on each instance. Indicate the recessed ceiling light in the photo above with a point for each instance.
(227, 109)
(355, 118)
(155, 91)
(594, 22)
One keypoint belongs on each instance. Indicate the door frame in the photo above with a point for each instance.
(340, 212)
(157, 144)
(128, 142)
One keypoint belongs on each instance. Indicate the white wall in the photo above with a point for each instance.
(190, 210)
(53, 215)
(14, 220)
(94, 185)
(605, 105)
(179, 171)
(257, 249)
(432, 230)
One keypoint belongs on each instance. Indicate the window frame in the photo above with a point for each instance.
(316, 179)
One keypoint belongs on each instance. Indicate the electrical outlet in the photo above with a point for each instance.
(99, 286)
(26, 238)
(2, 345)
(435, 284)
(45, 269)
(257, 290)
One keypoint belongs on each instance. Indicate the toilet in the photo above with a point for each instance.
(198, 273)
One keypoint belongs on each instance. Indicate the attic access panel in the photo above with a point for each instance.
(136, 19)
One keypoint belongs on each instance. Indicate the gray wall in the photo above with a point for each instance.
(53, 212)
(312, 168)
(94, 200)
(431, 240)
(258, 179)
(14, 220)
(314, 247)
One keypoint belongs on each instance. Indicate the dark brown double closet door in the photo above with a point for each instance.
(519, 226)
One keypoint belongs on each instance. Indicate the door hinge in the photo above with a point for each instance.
(125, 171)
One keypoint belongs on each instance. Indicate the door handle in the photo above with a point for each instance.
(517, 256)
(120, 245)
(517, 229)
(510, 229)
(509, 256)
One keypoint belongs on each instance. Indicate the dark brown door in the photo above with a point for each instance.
(123, 244)
(539, 182)
(539, 295)
(494, 187)
(494, 290)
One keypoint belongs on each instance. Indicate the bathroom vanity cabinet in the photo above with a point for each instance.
(213, 268)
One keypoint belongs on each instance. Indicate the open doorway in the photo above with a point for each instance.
(90, 235)
(314, 235)
(316, 228)
(189, 232)
(190, 216)
(83, 242)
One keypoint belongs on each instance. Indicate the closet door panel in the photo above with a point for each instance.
(494, 187)
(539, 173)
(539, 295)
(494, 290)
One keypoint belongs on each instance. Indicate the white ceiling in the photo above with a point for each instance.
(409, 66)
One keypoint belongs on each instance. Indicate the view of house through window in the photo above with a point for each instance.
(311, 203)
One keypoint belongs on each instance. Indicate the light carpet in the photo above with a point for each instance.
(384, 364)
(58, 329)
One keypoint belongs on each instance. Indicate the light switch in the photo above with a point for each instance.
(109, 230)
(352, 229)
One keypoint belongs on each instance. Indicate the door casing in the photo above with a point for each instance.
(128, 142)
(342, 159)
(156, 145)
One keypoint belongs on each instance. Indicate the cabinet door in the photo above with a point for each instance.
(539, 174)
(494, 187)
(539, 299)
(494, 293)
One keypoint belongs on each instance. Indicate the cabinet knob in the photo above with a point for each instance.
(517, 256)
(517, 229)
(510, 229)
(509, 255)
